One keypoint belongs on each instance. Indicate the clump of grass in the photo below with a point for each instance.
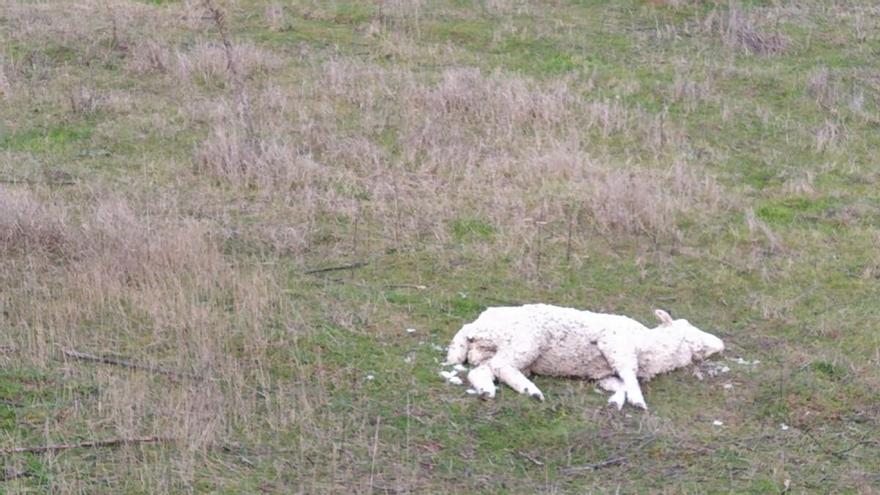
(30, 225)
(149, 56)
(251, 146)
(498, 107)
(691, 90)
(821, 87)
(829, 135)
(402, 14)
(763, 238)
(84, 101)
(5, 83)
(742, 30)
(651, 203)
(208, 63)
(275, 17)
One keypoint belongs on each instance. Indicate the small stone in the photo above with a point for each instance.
(410, 330)
(455, 380)
(783, 426)
(471, 391)
(728, 386)
(371, 377)
(459, 367)
(725, 369)
(718, 423)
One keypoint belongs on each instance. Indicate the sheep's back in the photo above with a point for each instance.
(572, 354)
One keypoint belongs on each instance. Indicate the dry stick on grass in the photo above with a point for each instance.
(84, 356)
(14, 474)
(113, 442)
(406, 286)
(375, 451)
(218, 15)
(350, 266)
(598, 465)
(30, 182)
(611, 461)
(530, 458)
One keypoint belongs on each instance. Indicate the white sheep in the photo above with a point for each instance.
(617, 351)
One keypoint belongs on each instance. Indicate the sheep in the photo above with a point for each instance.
(617, 351)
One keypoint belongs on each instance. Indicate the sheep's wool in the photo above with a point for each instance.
(506, 342)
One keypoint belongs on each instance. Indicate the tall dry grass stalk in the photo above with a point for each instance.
(30, 225)
(829, 135)
(208, 63)
(747, 30)
(5, 83)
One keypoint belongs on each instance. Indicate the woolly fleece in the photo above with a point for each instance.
(508, 343)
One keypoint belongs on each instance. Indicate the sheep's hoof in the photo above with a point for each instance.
(485, 395)
(537, 396)
(618, 403)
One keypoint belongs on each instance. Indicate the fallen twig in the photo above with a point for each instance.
(14, 181)
(113, 442)
(840, 454)
(14, 474)
(634, 447)
(527, 456)
(598, 465)
(84, 356)
(406, 286)
(350, 266)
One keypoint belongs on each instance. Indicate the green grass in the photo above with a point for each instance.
(56, 139)
(311, 381)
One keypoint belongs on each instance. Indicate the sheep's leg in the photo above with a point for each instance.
(515, 378)
(506, 364)
(615, 385)
(631, 386)
(624, 362)
(483, 380)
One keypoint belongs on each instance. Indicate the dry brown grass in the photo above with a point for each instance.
(155, 289)
(149, 56)
(748, 30)
(275, 17)
(497, 148)
(28, 224)
(5, 83)
(100, 28)
(692, 89)
(207, 63)
(821, 87)
(829, 135)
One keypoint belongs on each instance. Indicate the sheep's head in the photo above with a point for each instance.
(702, 344)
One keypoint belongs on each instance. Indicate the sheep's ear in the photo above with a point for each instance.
(664, 317)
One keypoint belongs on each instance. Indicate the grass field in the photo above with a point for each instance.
(176, 174)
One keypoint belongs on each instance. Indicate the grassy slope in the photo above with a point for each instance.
(796, 288)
